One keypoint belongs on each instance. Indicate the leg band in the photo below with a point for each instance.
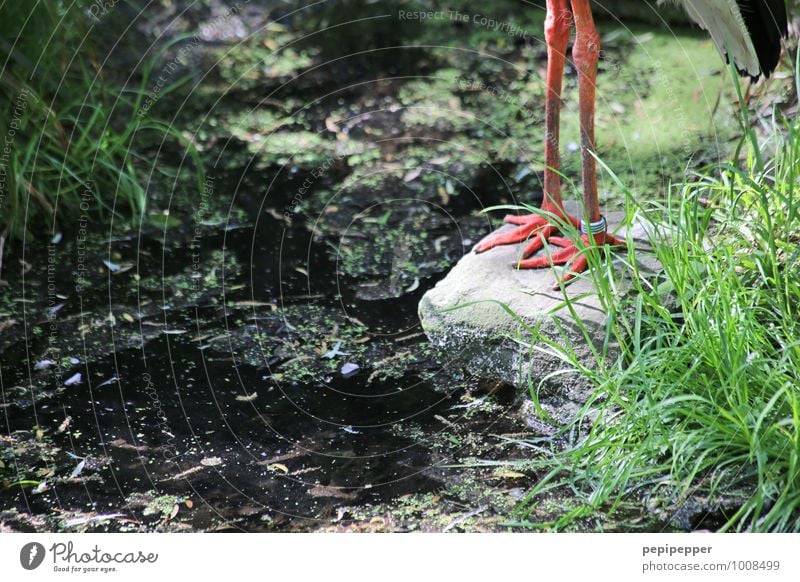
(598, 227)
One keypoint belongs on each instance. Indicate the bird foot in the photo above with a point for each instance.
(570, 251)
(535, 228)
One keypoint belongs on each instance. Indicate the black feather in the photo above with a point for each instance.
(767, 24)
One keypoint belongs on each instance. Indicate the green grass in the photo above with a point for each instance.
(704, 400)
(77, 139)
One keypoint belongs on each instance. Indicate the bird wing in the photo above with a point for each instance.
(747, 31)
(767, 23)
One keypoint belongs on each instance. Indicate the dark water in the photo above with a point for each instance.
(189, 396)
(178, 409)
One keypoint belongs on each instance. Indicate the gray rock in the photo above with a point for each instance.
(483, 337)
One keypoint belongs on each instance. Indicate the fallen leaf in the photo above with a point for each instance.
(325, 491)
(509, 475)
(78, 470)
(330, 124)
(413, 287)
(412, 175)
(185, 473)
(82, 520)
(115, 268)
(107, 382)
(349, 369)
(72, 380)
(443, 195)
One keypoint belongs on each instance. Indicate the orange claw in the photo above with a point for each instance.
(570, 252)
(530, 226)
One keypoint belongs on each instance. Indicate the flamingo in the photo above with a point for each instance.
(747, 31)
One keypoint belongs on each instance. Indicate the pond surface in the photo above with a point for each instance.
(149, 391)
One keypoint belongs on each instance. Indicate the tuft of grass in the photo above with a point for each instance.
(76, 140)
(704, 400)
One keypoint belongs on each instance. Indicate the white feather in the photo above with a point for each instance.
(723, 20)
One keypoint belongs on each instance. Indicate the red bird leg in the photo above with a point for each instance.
(538, 228)
(585, 53)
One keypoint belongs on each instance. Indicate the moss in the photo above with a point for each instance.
(655, 111)
(250, 64)
(252, 125)
(299, 148)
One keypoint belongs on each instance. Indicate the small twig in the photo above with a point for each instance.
(465, 517)
(409, 336)
(186, 473)
(443, 420)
